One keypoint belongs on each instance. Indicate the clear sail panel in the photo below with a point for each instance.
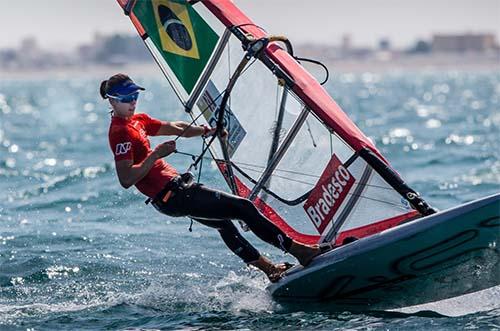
(288, 162)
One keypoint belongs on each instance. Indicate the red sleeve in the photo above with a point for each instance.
(152, 125)
(120, 142)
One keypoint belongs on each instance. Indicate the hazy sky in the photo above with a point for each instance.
(67, 23)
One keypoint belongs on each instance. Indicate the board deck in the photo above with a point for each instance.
(447, 254)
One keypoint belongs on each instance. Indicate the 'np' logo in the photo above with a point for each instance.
(175, 28)
(123, 148)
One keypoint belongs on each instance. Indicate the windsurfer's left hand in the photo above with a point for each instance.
(213, 131)
(224, 134)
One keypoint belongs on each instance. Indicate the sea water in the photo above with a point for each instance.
(79, 252)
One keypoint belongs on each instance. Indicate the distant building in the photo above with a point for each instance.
(346, 43)
(384, 44)
(29, 45)
(463, 43)
(420, 47)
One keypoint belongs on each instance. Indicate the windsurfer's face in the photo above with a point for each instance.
(123, 109)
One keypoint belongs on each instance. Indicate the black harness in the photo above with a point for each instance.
(175, 185)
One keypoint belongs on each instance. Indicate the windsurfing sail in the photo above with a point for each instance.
(291, 149)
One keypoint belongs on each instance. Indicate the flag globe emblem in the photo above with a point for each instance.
(175, 29)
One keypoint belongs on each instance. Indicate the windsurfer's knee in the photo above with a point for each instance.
(246, 211)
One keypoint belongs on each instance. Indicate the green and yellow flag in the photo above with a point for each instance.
(180, 34)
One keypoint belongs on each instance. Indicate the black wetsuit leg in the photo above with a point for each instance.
(200, 202)
(233, 239)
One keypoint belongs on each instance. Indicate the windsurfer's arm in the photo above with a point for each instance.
(184, 129)
(129, 173)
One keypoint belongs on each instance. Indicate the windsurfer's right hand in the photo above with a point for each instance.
(165, 148)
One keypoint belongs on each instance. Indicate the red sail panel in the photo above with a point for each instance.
(306, 86)
(370, 229)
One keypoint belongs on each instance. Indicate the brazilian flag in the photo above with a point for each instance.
(180, 34)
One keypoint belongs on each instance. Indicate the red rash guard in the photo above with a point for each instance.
(128, 139)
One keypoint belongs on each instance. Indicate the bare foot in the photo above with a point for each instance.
(304, 253)
(279, 270)
(272, 271)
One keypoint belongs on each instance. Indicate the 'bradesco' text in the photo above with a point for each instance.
(331, 193)
(328, 194)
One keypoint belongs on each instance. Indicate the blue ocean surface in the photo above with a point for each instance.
(78, 252)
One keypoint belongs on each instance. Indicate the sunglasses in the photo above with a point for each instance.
(125, 98)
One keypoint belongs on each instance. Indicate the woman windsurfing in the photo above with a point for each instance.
(176, 194)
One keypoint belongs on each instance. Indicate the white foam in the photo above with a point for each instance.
(243, 292)
(463, 305)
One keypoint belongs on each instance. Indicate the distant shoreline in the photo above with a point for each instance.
(87, 71)
(406, 63)
(412, 63)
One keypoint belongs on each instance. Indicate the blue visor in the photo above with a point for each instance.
(125, 88)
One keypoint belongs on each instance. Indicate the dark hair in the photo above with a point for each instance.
(108, 84)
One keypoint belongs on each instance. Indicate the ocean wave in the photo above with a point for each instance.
(52, 183)
(40, 313)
